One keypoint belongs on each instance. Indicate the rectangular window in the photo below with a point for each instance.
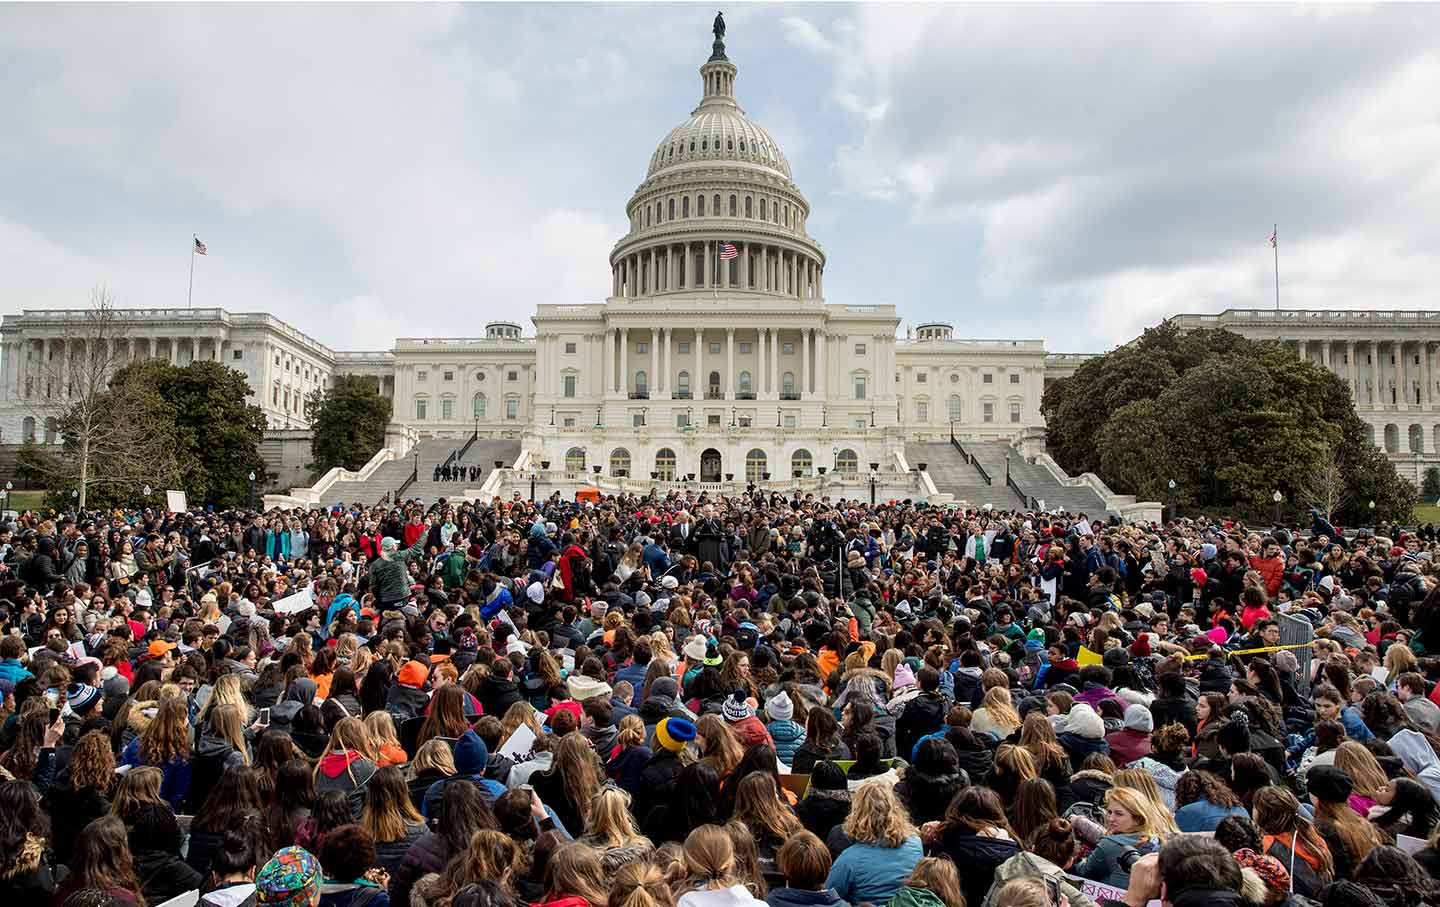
(987, 378)
(744, 421)
(989, 412)
(512, 409)
(447, 375)
(712, 420)
(859, 388)
(859, 349)
(922, 411)
(568, 422)
(422, 376)
(715, 348)
(569, 385)
(859, 423)
(420, 410)
(921, 377)
(789, 420)
(237, 354)
(570, 349)
(512, 376)
(787, 347)
(684, 346)
(745, 347)
(1014, 377)
(642, 346)
(637, 420)
(274, 396)
(682, 420)
(447, 409)
(1014, 412)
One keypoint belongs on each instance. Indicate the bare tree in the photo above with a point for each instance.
(1324, 485)
(114, 437)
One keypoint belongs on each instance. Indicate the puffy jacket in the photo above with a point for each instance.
(822, 811)
(1202, 815)
(922, 715)
(213, 757)
(428, 854)
(389, 854)
(787, 737)
(175, 774)
(1103, 864)
(163, 875)
(799, 897)
(866, 872)
(1029, 866)
(29, 875)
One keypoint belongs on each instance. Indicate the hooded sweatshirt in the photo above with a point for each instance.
(1418, 758)
(345, 771)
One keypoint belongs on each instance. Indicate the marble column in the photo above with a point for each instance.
(730, 383)
(804, 385)
(822, 366)
(1354, 372)
(654, 360)
(625, 362)
(1429, 373)
(1402, 389)
(1302, 350)
(1375, 395)
(699, 384)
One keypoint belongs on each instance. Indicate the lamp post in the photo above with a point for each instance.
(835, 460)
(533, 476)
(251, 477)
(1372, 513)
(872, 417)
(1276, 498)
(146, 491)
(732, 416)
(1171, 486)
(1007, 469)
(874, 478)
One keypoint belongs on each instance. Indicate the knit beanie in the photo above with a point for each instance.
(664, 687)
(471, 755)
(413, 674)
(780, 708)
(1138, 718)
(81, 696)
(674, 733)
(904, 676)
(736, 708)
(1328, 783)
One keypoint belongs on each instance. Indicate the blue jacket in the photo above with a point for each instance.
(787, 736)
(13, 671)
(175, 774)
(656, 559)
(342, 601)
(865, 872)
(634, 674)
(1202, 815)
(500, 602)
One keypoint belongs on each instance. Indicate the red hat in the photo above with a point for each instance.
(1198, 576)
(1140, 648)
(413, 674)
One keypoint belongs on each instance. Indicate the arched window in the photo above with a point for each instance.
(641, 384)
(685, 206)
(682, 383)
(787, 384)
(846, 463)
(745, 382)
(619, 462)
(672, 209)
(742, 144)
(715, 384)
(705, 146)
(575, 459)
(477, 406)
(732, 205)
(756, 465)
(27, 429)
(957, 408)
(762, 209)
(700, 206)
(1392, 438)
(787, 215)
(716, 209)
(801, 463)
(665, 464)
(1417, 438)
(729, 144)
(747, 207)
(52, 431)
(647, 215)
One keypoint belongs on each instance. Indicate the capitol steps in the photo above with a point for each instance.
(953, 474)
(1035, 480)
(432, 451)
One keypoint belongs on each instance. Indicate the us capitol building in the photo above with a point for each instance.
(714, 362)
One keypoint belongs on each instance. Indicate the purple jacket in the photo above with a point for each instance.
(1096, 695)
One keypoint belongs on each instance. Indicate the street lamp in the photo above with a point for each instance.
(1007, 469)
(874, 478)
(732, 416)
(1171, 486)
(1276, 498)
(252, 486)
(872, 417)
(552, 419)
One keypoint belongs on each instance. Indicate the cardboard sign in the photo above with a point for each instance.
(519, 744)
(175, 502)
(294, 604)
(1411, 845)
(188, 899)
(1097, 891)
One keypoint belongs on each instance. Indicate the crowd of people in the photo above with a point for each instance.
(713, 702)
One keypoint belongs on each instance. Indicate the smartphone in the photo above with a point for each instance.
(263, 718)
(54, 716)
(1052, 891)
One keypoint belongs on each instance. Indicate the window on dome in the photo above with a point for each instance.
(716, 209)
(672, 209)
(704, 144)
(692, 146)
(742, 144)
(748, 210)
(732, 206)
(787, 215)
(729, 144)
(762, 209)
(647, 215)
(700, 206)
(685, 206)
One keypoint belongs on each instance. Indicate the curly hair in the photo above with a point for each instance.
(1202, 785)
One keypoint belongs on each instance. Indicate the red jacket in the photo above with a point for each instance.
(1272, 570)
(413, 531)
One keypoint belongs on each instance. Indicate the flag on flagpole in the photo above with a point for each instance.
(1273, 234)
(728, 252)
(199, 246)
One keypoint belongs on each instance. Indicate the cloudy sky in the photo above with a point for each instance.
(1066, 172)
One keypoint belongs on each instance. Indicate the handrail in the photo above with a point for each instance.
(405, 485)
(474, 436)
(970, 458)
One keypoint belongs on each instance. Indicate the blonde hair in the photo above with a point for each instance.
(381, 728)
(575, 870)
(227, 691)
(876, 817)
(1138, 806)
(631, 732)
(1000, 709)
(610, 823)
(1362, 767)
(433, 754)
(640, 883)
(228, 722)
(1142, 782)
(709, 858)
(722, 750)
(349, 734)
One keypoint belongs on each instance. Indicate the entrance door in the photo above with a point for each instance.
(710, 465)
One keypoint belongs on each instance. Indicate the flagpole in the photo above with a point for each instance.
(190, 293)
(1276, 246)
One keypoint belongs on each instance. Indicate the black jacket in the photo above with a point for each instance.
(389, 854)
(823, 810)
(163, 875)
(70, 811)
(1180, 710)
(977, 857)
(213, 757)
(496, 696)
(657, 781)
(806, 755)
(925, 714)
(29, 876)
(927, 796)
(428, 854)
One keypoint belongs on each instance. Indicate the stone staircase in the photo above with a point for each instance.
(1035, 480)
(953, 475)
(433, 451)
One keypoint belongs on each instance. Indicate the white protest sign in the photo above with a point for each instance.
(294, 604)
(1097, 891)
(188, 899)
(520, 743)
(1410, 845)
(175, 502)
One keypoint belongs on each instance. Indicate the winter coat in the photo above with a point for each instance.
(1077, 747)
(213, 757)
(163, 875)
(1127, 745)
(787, 737)
(821, 811)
(1165, 778)
(553, 792)
(70, 811)
(976, 763)
(1084, 787)
(1103, 864)
(1029, 866)
(29, 876)
(799, 897)
(389, 578)
(867, 872)
(353, 894)
(922, 715)
(175, 774)
(1202, 815)
(976, 856)
(807, 755)
(1307, 880)
(389, 854)
(657, 780)
(404, 703)
(496, 696)
(348, 772)
(428, 854)
(1180, 710)
(734, 896)
(627, 767)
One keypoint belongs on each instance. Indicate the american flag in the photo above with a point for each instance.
(199, 246)
(1272, 238)
(727, 251)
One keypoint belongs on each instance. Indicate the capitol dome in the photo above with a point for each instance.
(718, 208)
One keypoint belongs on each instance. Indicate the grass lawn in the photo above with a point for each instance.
(1427, 513)
(23, 500)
